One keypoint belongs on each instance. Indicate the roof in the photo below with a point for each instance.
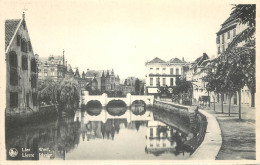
(225, 27)
(97, 73)
(10, 28)
(156, 60)
(176, 60)
(200, 60)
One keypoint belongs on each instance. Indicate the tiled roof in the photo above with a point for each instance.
(226, 25)
(176, 60)
(10, 28)
(156, 60)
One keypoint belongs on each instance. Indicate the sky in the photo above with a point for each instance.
(120, 34)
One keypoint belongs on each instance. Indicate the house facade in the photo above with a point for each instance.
(228, 31)
(161, 73)
(53, 67)
(21, 69)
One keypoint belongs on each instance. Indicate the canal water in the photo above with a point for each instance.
(102, 134)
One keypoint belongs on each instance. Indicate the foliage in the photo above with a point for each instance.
(246, 13)
(69, 92)
(47, 91)
(137, 86)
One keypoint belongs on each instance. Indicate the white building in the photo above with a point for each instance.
(161, 73)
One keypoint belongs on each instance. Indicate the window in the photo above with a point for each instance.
(33, 80)
(34, 65)
(218, 40)
(164, 81)
(52, 72)
(24, 62)
(158, 81)
(164, 144)
(223, 38)
(158, 145)
(45, 72)
(223, 48)
(13, 68)
(218, 50)
(24, 46)
(18, 40)
(171, 71)
(29, 46)
(177, 71)
(151, 132)
(151, 81)
(157, 70)
(171, 83)
(234, 32)
(13, 99)
(228, 35)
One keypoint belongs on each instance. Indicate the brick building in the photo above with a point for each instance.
(21, 68)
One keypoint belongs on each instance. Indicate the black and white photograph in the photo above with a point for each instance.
(128, 80)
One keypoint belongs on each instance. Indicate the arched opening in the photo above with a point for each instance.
(116, 107)
(93, 107)
(138, 107)
(13, 68)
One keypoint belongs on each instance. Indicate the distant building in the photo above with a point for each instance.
(161, 73)
(103, 80)
(53, 67)
(21, 68)
(196, 73)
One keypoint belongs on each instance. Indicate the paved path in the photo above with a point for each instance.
(211, 144)
(239, 141)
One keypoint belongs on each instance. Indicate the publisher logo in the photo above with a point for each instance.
(13, 152)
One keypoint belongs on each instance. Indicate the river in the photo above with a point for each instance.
(135, 134)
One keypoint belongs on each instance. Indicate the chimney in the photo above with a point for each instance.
(182, 58)
(23, 15)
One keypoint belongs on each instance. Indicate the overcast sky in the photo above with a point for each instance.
(120, 34)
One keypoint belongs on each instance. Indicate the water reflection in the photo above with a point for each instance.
(136, 134)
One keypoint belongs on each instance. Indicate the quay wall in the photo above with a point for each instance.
(188, 112)
(19, 118)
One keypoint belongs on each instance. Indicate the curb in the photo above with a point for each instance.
(209, 148)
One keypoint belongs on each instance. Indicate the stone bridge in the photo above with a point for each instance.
(104, 99)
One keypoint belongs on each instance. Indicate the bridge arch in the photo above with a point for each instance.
(93, 107)
(138, 107)
(116, 107)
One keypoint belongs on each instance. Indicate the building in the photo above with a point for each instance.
(196, 73)
(53, 67)
(21, 68)
(103, 80)
(228, 31)
(161, 73)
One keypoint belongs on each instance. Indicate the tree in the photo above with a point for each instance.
(48, 91)
(137, 86)
(69, 93)
(239, 68)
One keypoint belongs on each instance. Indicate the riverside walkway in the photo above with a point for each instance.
(239, 136)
